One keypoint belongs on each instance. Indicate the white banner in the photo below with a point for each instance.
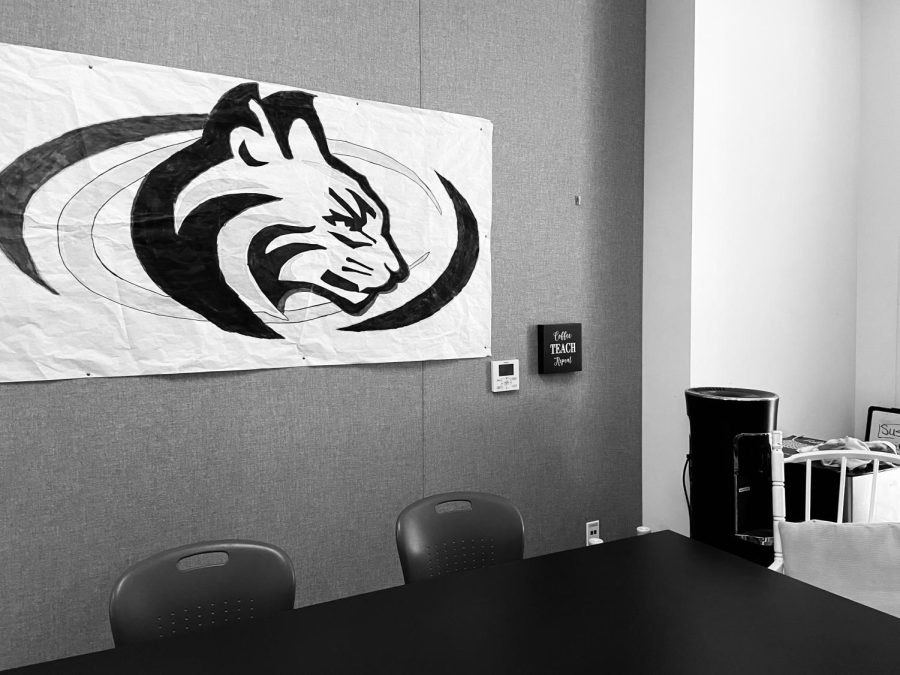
(155, 220)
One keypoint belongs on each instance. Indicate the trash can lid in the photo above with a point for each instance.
(730, 393)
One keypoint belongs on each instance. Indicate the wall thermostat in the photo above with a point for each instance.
(505, 375)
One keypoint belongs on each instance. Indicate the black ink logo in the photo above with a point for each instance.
(261, 183)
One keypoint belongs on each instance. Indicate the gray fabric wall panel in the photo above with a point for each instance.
(100, 473)
(562, 83)
(350, 47)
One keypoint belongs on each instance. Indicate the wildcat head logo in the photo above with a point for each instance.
(232, 224)
(307, 220)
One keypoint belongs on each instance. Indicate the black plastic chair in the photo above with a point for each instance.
(457, 531)
(200, 586)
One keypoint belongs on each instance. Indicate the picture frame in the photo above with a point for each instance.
(559, 348)
(883, 424)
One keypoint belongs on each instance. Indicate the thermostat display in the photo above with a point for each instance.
(505, 375)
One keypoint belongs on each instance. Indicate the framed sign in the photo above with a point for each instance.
(559, 348)
(883, 424)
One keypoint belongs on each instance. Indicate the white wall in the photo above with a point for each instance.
(772, 260)
(666, 339)
(879, 210)
(776, 126)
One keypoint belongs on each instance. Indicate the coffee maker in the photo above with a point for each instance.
(730, 489)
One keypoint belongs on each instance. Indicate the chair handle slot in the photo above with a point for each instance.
(202, 560)
(454, 505)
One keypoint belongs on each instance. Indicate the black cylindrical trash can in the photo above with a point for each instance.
(716, 415)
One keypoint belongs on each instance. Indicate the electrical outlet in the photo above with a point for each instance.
(591, 529)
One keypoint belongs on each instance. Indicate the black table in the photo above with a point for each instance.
(660, 603)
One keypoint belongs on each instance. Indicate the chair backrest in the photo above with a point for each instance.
(458, 531)
(842, 456)
(200, 586)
